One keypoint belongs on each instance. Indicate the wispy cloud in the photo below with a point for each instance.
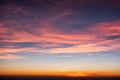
(65, 30)
(10, 56)
(81, 42)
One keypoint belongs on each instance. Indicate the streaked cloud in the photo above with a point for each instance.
(65, 30)
(60, 37)
(50, 41)
(10, 56)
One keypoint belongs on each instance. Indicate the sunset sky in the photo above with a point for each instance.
(60, 37)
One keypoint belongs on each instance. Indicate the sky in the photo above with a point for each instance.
(60, 37)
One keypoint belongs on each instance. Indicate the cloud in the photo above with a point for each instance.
(10, 56)
(2, 29)
(50, 41)
(64, 30)
(107, 28)
(80, 49)
(16, 50)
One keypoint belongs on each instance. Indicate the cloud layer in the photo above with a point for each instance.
(53, 27)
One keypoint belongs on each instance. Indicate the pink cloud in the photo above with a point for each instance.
(91, 41)
(10, 56)
(2, 29)
(47, 34)
(107, 29)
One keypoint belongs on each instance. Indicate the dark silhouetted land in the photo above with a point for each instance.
(55, 78)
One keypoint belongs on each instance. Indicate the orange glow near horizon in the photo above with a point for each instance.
(60, 73)
(72, 38)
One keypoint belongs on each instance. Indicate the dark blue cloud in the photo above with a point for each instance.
(18, 44)
(39, 45)
(113, 37)
(90, 12)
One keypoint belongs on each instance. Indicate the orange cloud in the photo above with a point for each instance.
(16, 50)
(80, 49)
